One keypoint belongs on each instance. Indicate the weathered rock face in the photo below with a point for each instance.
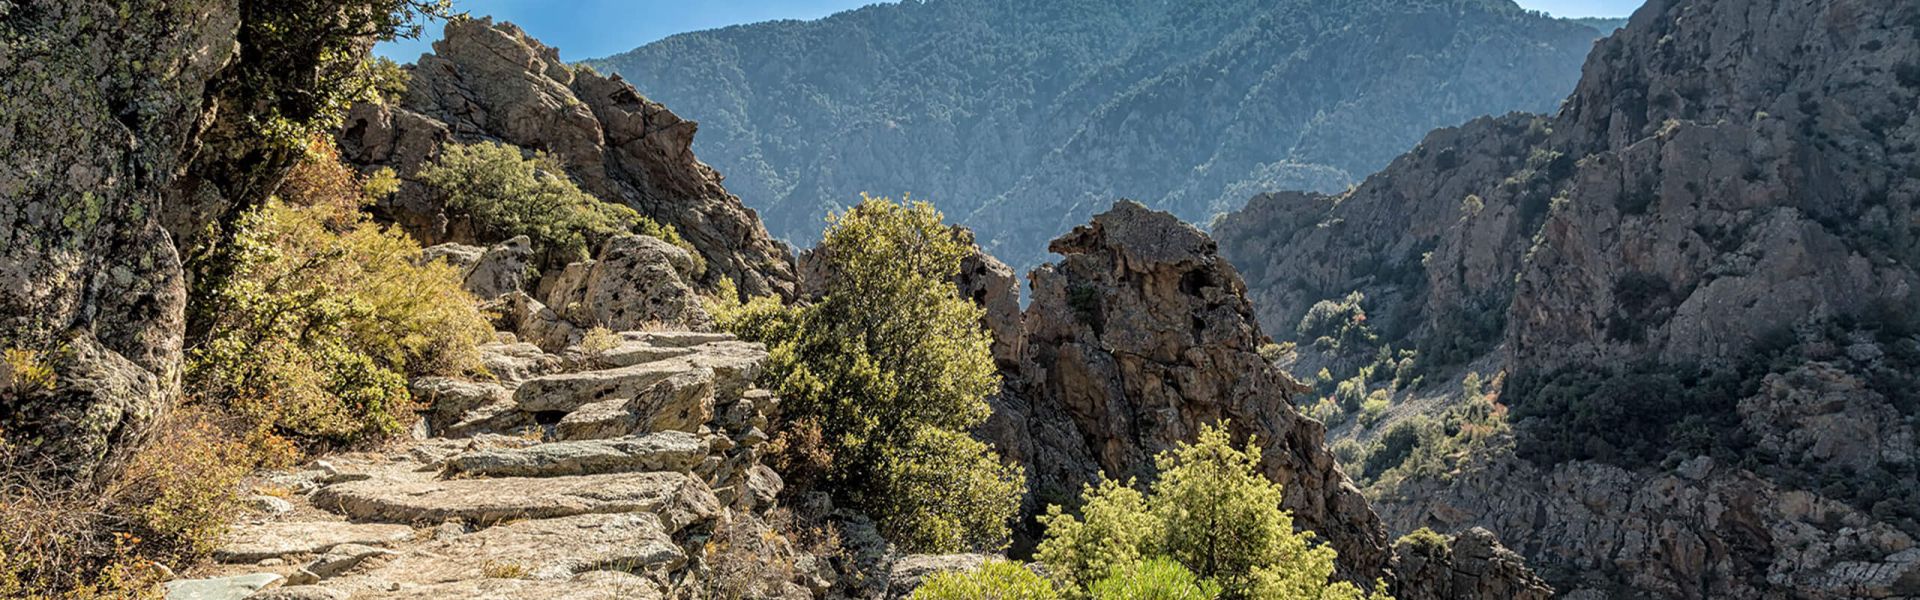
(1727, 174)
(98, 105)
(1472, 565)
(487, 82)
(635, 281)
(1138, 337)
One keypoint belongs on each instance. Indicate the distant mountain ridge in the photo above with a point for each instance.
(1017, 118)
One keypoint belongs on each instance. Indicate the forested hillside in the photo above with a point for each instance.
(1023, 119)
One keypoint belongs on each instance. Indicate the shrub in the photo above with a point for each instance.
(505, 194)
(995, 580)
(24, 372)
(171, 504)
(1211, 511)
(1391, 449)
(1156, 579)
(1338, 325)
(881, 376)
(1375, 407)
(326, 315)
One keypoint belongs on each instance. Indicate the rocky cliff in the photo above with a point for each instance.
(1698, 277)
(128, 132)
(1138, 336)
(488, 82)
(1024, 119)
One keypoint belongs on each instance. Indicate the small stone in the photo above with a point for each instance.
(302, 577)
(269, 504)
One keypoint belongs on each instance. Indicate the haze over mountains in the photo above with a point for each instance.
(1023, 119)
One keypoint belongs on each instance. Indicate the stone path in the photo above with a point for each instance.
(567, 477)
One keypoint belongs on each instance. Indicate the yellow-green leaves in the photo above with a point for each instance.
(1211, 512)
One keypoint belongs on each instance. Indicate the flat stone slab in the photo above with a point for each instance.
(222, 588)
(559, 549)
(666, 451)
(569, 391)
(680, 499)
(255, 543)
(597, 585)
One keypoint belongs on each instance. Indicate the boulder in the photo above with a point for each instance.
(261, 541)
(634, 282)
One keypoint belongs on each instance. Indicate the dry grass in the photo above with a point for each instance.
(504, 570)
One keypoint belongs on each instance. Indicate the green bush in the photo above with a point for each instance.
(1211, 511)
(1156, 579)
(1339, 325)
(995, 580)
(326, 315)
(1375, 407)
(506, 194)
(881, 377)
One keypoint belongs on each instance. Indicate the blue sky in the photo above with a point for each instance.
(596, 28)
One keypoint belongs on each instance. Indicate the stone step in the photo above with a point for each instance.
(415, 498)
(683, 401)
(673, 451)
(256, 542)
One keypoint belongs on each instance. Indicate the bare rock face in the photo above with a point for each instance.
(1726, 176)
(488, 82)
(98, 104)
(636, 281)
(1140, 335)
(1470, 566)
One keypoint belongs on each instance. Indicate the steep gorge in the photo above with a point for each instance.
(1697, 279)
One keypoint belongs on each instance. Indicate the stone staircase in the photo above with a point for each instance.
(570, 476)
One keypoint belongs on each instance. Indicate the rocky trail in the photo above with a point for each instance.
(567, 477)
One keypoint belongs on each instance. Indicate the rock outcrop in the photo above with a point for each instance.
(1139, 336)
(1728, 190)
(125, 131)
(488, 82)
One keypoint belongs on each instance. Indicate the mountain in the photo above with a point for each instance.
(1661, 341)
(1022, 119)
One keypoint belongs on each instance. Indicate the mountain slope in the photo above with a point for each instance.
(1026, 118)
(1693, 287)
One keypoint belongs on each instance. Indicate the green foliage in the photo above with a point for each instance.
(326, 316)
(505, 194)
(1375, 407)
(1391, 449)
(304, 62)
(995, 580)
(1335, 325)
(1425, 541)
(1211, 511)
(880, 378)
(1155, 579)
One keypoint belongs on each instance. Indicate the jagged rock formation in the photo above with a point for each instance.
(488, 82)
(1140, 335)
(1730, 187)
(1024, 119)
(1471, 565)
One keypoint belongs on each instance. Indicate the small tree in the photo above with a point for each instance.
(881, 377)
(1213, 513)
